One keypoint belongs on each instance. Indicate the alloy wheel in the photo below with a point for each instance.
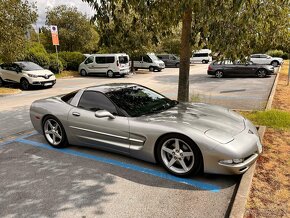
(177, 156)
(53, 132)
(110, 74)
(83, 73)
(24, 84)
(219, 74)
(261, 73)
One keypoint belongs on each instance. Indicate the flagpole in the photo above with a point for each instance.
(57, 59)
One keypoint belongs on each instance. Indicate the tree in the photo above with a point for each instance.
(235, 28)
(74, 29)
(16, 17)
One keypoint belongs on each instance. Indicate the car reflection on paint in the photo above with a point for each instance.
(185, 138)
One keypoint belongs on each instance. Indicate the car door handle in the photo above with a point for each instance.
(76, 114)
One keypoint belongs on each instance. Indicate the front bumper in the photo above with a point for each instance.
(44, 83)
(246, 145)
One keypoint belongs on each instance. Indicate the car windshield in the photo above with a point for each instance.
(138, 101)
(153, 57)
(29, 66)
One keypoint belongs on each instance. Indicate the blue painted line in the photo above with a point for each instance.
(194, 183)
(22, 137)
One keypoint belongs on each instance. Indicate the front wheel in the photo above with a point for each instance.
(275, 63)
(179, 155)
(24, 84)
(177, 65)
(83, 73)
(54, 132)
(151, 69)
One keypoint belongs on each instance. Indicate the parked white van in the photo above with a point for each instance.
(201, 56)
(106, 64)
(149, 61)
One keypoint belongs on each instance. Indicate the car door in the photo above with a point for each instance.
(228, 67)
(256, 59)
(89, 64)
(104, 132)
(101, 64)
(147, 62)
(11, 73)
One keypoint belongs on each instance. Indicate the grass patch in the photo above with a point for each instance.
(6, 91)
(67, 74)
(276, 119)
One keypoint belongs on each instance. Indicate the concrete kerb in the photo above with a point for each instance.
(240, 201)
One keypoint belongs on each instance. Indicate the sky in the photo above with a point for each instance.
(42, 6)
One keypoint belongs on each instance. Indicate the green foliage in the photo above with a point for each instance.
(15, 19)
(36, 53)
(56, 66)
(72, 59)
(278, 53)
(272, 118)
(75, 30)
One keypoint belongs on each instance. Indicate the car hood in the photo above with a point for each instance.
(202, 117)
(39, 72)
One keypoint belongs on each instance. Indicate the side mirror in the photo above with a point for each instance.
(104, 113)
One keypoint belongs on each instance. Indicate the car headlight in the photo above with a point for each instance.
(32, 75)
(233, 161)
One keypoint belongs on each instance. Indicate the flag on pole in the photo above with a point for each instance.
(54, 35)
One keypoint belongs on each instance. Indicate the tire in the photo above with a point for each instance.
(261, 73)
(219, 74)
(151, 69)
(275, 63)
(54, 132)
(172, 156)
(24, 84)
(1, 82)
(177, 65)
(110, 74)
(83, 73)
(136, 69)
(159, 70)
(203, 61)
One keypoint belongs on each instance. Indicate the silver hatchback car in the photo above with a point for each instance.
(185, 138)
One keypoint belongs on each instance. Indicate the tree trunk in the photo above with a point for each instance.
(185, 52)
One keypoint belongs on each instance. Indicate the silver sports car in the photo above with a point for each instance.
(185, 138)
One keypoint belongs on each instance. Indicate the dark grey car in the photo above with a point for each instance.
(170, 60)
(220, 69)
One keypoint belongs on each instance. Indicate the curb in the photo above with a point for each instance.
(240, 201)
(272, 93)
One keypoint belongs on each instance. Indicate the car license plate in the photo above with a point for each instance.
(47, 84)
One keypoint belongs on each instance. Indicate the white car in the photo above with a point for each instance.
(106, 64)
(201, 56)
(266, 59)
(149, 61)
(27, 74)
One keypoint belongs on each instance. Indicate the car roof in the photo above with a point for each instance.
(105, 88)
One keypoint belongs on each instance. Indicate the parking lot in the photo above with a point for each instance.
(38, 181)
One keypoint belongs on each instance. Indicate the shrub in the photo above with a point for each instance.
(285, 56)
(36, 53)
(55, 65)
(72, 59)
(275, 53)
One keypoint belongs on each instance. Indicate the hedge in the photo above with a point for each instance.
(278, 53)
(72, 59)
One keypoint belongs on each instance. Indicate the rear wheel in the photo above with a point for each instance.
(203, 61)
(1, 82)
(179, 155)
(261, 73)
(110, 74)
(54, 132)
(83, 73)
(219, 74)
(275, 63)
(151, 69)
(24, 84)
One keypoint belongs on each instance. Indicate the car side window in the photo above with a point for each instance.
(147, 59)
(255, 56)
(95, 101)
(89, 60)
(263, 56)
